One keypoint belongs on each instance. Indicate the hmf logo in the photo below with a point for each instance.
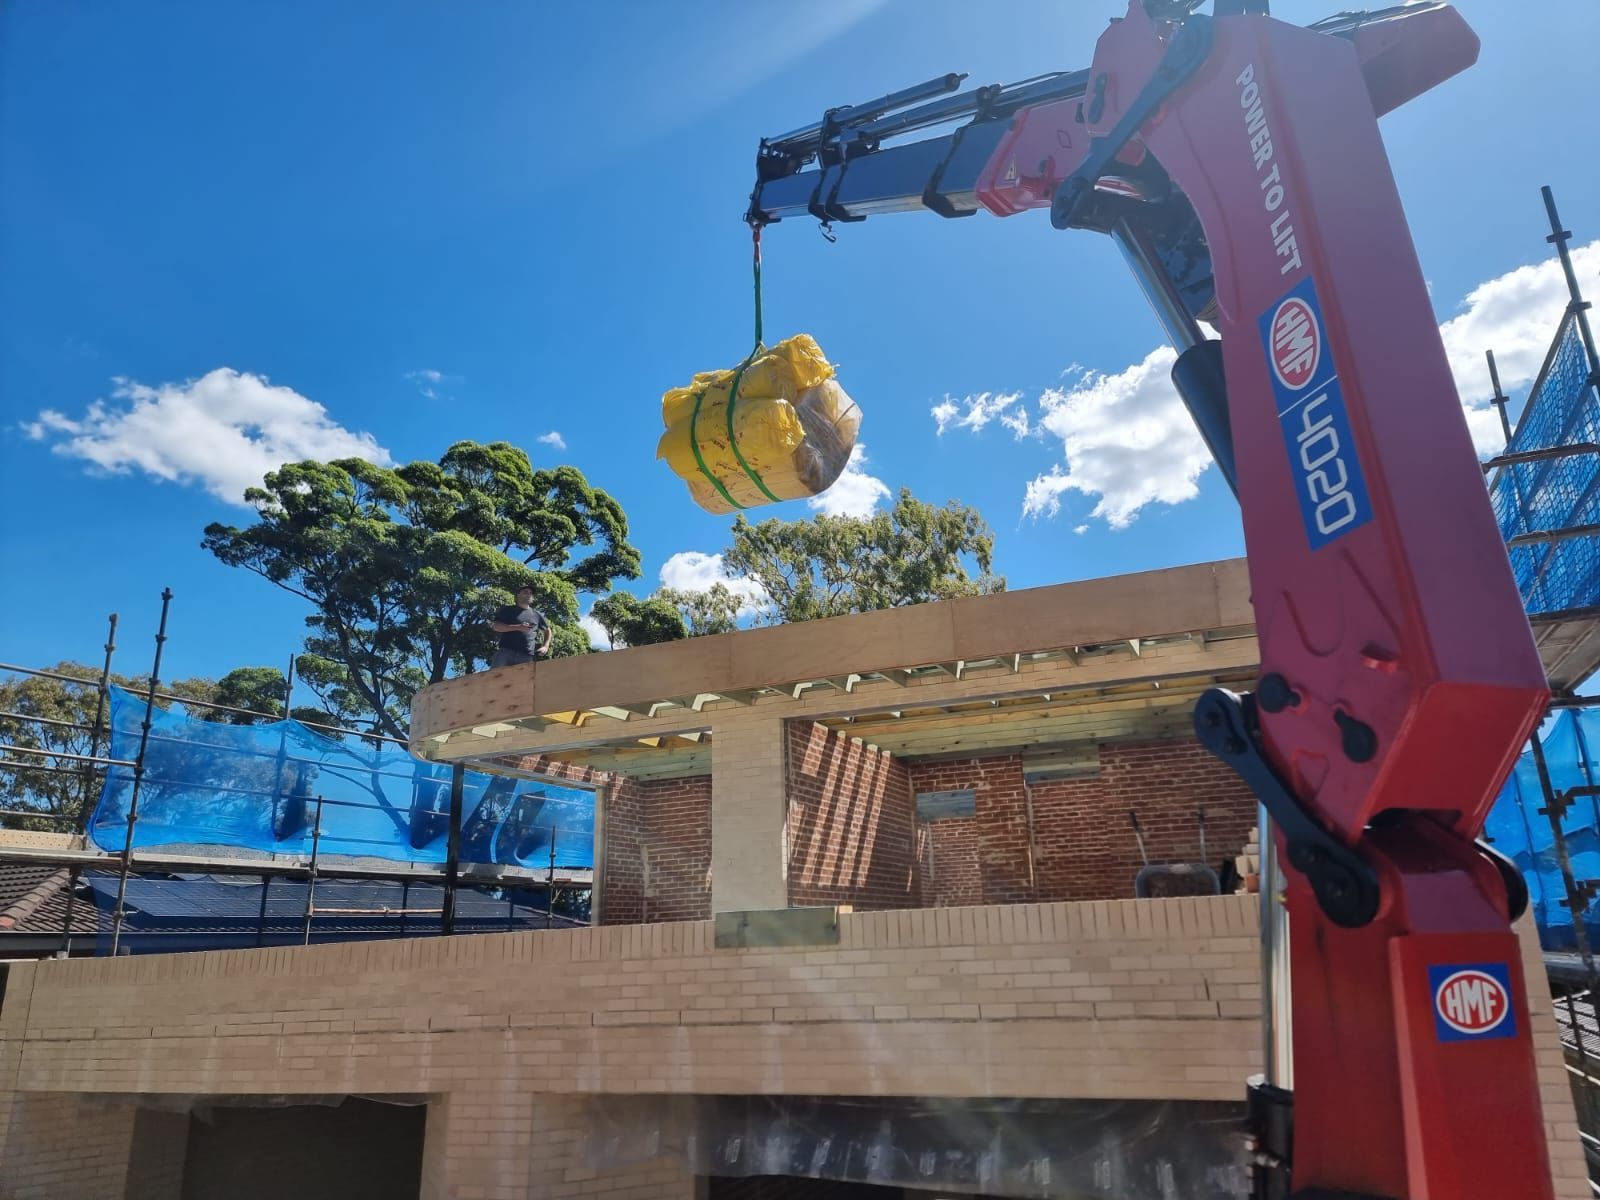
(1329, 482)
(1296, 343)
(1472, 1001)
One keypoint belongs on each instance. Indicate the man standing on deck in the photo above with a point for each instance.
(524, 633)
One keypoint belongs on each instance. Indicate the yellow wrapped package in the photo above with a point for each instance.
(777, 427)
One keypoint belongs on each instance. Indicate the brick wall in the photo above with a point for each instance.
(1082, 846)
(67, 1145)
(619, 882)
(508, 1031)
(851, 823)
(156, 1160)
(984, 858)
(657, 851)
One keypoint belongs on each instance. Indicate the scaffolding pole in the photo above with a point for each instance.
(138, 774)
(550, 883)
(261, 923)
(1559, 237)
(311, 879)
(1499, 399)
(85, 802)
(452, 865)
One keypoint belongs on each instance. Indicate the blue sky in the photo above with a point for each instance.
(498, 220)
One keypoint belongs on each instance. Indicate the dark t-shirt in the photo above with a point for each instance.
(527, 641)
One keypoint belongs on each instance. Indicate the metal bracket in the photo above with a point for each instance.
(1185, 53)
(1345, 886)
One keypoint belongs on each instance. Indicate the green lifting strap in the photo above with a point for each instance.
(733, 393)
(733, 398)
(694, 444)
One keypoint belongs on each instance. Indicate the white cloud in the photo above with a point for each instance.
(596, 631)
(1128, 441)
(553, 440)
(427, 381)
(1043, 496)
(1017, 422)
(1127, 438)
(1515, 315)
(223, 431)
(975, 411)
(854, 493)
(694, 571)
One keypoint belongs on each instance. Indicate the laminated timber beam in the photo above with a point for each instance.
(1174, 664)
(967, 630)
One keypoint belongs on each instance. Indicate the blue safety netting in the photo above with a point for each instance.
(1556, 493)
(256, 787)
(1519, 827)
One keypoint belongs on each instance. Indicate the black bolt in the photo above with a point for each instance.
(1274, 693)
(1359, 740)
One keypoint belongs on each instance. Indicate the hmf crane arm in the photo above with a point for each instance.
(1237, 161)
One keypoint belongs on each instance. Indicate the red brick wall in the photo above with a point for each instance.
(667, 823)
(852, 827)
(1086, 848)
(1082, 846)
(988, 862)
(619, 889)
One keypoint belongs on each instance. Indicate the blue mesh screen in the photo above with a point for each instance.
(1539, 497)
(1518, 829)
(255, 788)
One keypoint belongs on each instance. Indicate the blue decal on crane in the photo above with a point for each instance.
(1472, 1001)
(1316, 429)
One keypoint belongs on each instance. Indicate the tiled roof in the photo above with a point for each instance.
(33, 899)
(233, 904)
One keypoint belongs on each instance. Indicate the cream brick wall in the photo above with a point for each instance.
(67, 1145)
(749, 811)
(1555, 1091)
(1115, 999)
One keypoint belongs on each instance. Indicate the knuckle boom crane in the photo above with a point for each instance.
(1236, 160)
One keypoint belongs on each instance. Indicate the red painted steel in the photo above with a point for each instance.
(1380, 581)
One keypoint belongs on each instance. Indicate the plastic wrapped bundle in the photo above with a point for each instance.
(778, 427)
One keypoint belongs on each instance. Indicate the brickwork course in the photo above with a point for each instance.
(996, 955)
(853, 836)
(504, 1033)
(1070, 839)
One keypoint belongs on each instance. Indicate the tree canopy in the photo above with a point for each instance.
(404, 565)
(827, 566)
(821, 567)
(629, 621)
(715, 610)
